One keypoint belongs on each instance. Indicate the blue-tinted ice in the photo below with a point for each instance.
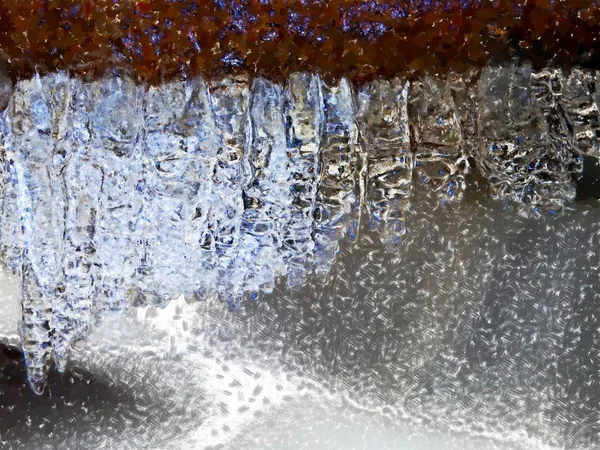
(116, 194)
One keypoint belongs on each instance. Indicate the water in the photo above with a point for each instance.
(117, 194)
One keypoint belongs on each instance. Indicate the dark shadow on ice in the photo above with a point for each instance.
(74, 402)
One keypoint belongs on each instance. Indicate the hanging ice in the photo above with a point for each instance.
(383, 112)
(230, 106)
(266, 194)
(548, 90)
(303, 111)
(8, 204)
(337, 210)
(516, 152)
(38, 119)
(440, 159)
(581, 107)
(82, 179)
(116, 127)
(115, 193)
(179, 149)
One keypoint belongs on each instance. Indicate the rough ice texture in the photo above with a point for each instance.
(516, 151)
(580, 96)
(230, 104)
(267, 200)
(117, 194)
(440, 157)
(178, 161)
(38, 120)
(337, 207)
(389, 160)
(303, 112)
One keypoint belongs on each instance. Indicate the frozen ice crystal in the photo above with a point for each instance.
(117, 194)
(9, 225)
(230, 106)
(5, 93)
(116, 125)
(383, 112)
(179, 150)
(303, 110)
(266, 194)
(518, 156)
(10, 229)
(440, 160)
(81, 184)
(463, 88)
(337, 207)
(547, 87)
(579, 100)
(38, 120)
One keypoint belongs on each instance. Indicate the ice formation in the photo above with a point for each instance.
(115, 193)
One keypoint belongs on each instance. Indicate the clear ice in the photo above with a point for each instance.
(440, 159)
(116, 194)
(517, 149)
(385, 135)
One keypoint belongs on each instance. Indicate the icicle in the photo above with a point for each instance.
(38, 121)
(337, 213)
(177, 171)
(82, 179)
(115, 121)
(582, 110)
(266, 190)
(384, 120)
(547, 86)
(303, 111)
(6, 200)
(440, 160)
(516, 153)
(230, 107)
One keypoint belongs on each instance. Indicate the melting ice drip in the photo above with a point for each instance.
(116, 193)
